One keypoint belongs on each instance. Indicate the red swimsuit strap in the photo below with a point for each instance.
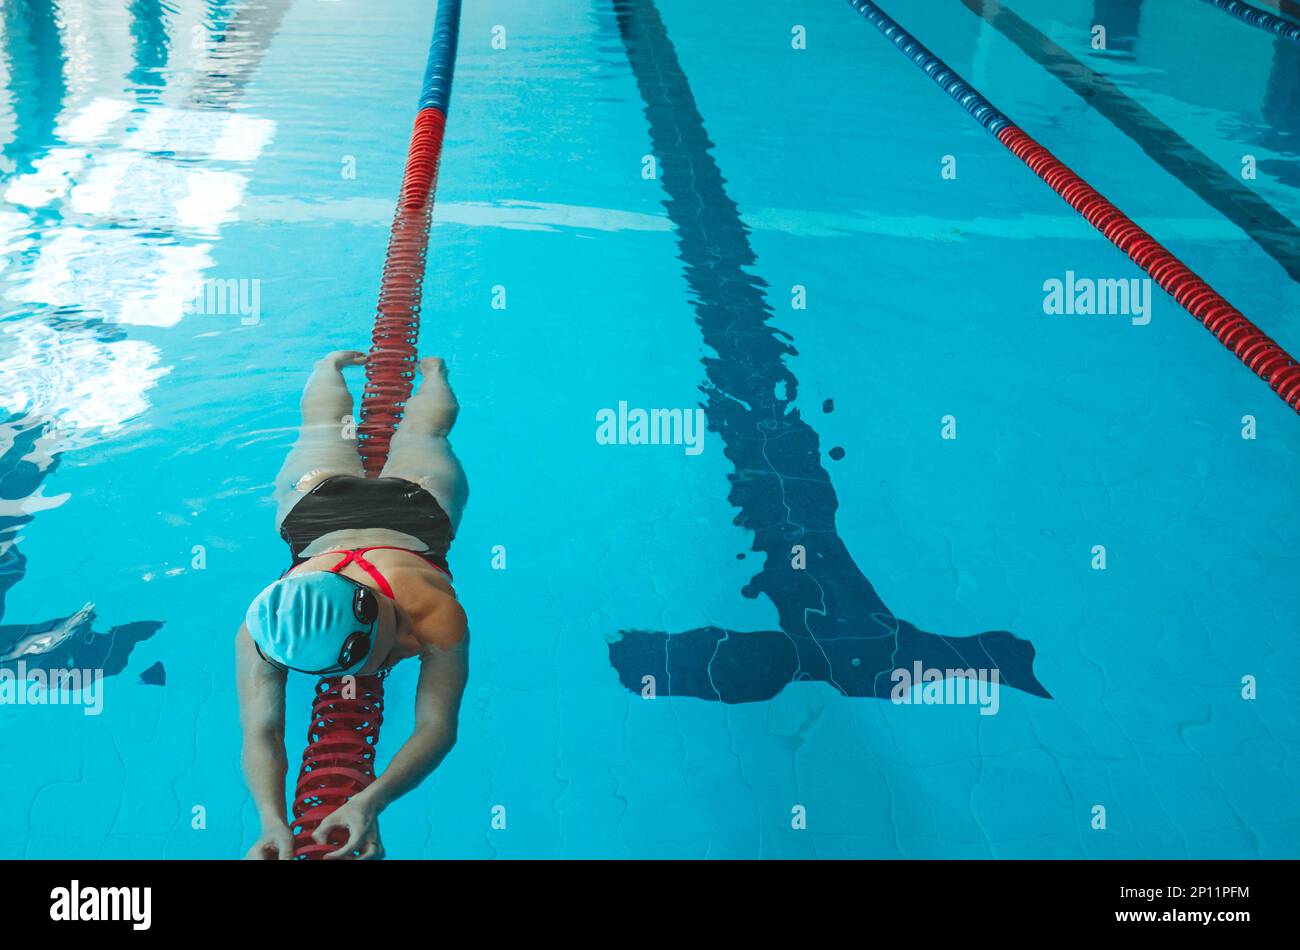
(357, 556)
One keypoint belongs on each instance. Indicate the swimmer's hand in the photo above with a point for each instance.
(341, 358)
(274, 844)
(360, 820)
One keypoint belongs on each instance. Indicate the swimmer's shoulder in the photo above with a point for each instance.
(437, 618)
(444, 625)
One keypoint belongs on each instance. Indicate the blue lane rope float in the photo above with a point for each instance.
(966, 95)
(1248, 343)
(1259, 18)
(436, 89)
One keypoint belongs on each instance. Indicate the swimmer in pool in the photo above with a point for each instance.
(369, 586)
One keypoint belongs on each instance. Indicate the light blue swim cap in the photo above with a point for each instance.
(302, 621)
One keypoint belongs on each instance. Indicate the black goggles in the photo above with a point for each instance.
(357, 645)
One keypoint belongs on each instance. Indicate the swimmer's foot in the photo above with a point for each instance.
(341, 358)
(433, 366)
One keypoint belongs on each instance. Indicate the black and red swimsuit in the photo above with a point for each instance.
(349, 502)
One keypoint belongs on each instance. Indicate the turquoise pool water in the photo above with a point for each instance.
(147, 145)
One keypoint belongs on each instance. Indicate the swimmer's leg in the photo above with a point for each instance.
(420, 452)
(327, 442)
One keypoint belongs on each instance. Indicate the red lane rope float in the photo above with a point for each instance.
(390, 366)
(339, 760)
(1265, 358)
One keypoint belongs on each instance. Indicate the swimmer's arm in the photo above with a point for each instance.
(443, 673)
(261, 714)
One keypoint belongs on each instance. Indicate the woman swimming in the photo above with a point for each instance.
(369, 586)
